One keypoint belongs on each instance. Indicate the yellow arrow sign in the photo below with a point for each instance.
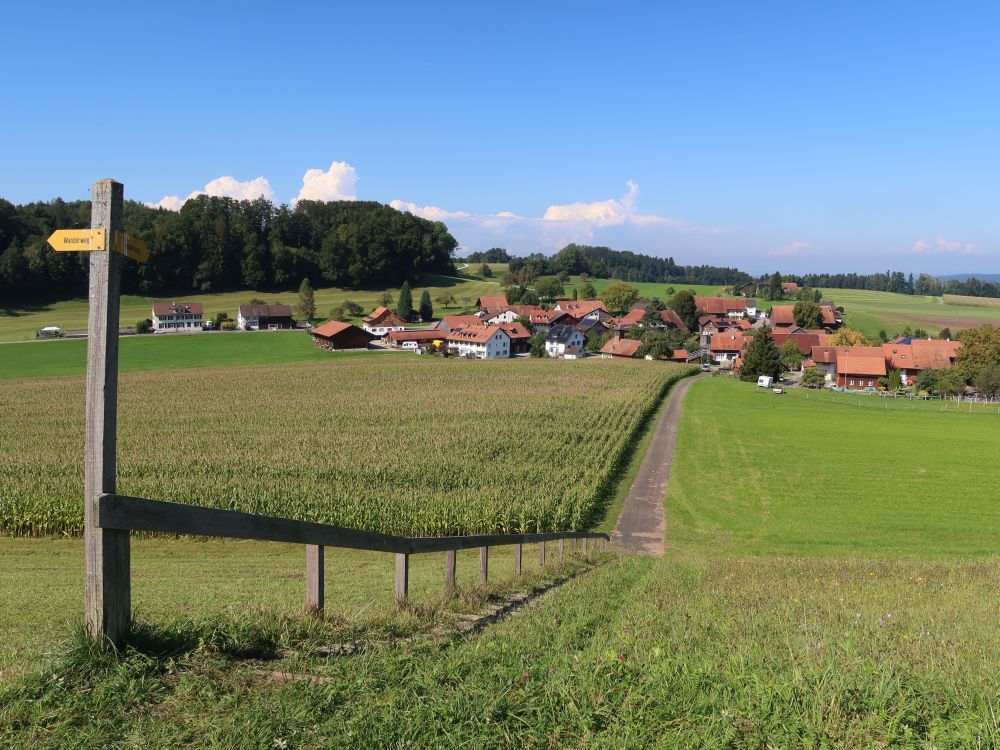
(78, 240)
(131, 247)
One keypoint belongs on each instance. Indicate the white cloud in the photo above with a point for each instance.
(338, 183)
(225, 186)
(559, 225)
(428, 212)
(945, 246)
(791, 249)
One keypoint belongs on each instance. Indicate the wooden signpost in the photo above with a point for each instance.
(107, 597)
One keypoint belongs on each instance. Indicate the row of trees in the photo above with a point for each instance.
(217, 244)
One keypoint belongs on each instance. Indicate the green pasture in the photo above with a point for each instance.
(20, 323)
(781, 475)
(168, 352)
(871, 312)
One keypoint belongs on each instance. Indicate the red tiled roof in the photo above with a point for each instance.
(452, 322)
(494, 302)
(380, 315)
(922, 354)
(789, 286)
(621, 347)
(728, 342)
(332, 327)
(851, 363)
(167, 308)
(476, 334)
(581, 307)
(719, 305)
(671, 318)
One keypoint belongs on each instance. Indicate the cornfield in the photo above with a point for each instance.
(397, 444)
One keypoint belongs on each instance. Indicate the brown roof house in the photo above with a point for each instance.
(381, 321)
(334, 335)
(621, 348)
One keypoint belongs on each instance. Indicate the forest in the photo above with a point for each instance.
(218, 244)
(896, 281)
(605, 263)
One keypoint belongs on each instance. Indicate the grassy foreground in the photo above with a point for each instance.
(680, 652)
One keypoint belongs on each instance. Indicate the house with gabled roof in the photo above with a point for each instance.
(178, 316)
(381, 321)
(621, 348)
(727, 346)
(492, 303)
(480, 342)
(585, 308)
(860, 367)
(722, 307)
(562, 338)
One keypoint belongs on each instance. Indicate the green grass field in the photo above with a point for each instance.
(871, 312)
(168, 352)
(766, 474)
(20, 323)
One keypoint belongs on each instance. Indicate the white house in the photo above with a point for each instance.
(563, 340)
(481, 342)
(178, 316)
(751, 308)
(504, 317)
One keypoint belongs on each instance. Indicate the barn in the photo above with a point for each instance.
(334, 335)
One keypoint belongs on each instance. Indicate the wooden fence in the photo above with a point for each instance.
(123, 513)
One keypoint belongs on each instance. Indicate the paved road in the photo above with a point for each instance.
(640, 527)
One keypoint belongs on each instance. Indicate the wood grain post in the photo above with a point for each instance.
(107, 585)
(402, 577)
(562, 550)
(450, 558)
(517, 559)
(314, 580)
(585, 546)
(484, 564)
(541, 554)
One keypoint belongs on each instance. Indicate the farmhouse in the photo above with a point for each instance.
(587, 325)
(667, 318)
(414, 340)
(520, 337)
(381, 321)
(585, 308)
(177, 316)
(920, 354)
(782, 317)
(334, 335)
(492, 304)
(563, 339)
(789, 287)
(722, 307)
(860, 366)
(545, 320)
(621, 348)
(726, 347)
(480, 342)
(264, 317)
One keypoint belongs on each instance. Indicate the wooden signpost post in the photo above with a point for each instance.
(107, 606)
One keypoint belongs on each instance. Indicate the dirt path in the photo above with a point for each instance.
(640, 526)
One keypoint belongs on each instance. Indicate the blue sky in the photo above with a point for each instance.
(797, 136)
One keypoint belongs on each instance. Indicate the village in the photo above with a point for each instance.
(577, 329)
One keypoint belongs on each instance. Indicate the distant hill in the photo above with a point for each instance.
(992, 277)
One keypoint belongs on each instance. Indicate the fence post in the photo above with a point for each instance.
(517, 559)
(541, 554)
(314, 579)
(585, 546)
(484, 564)
(402, 577)
(107, 588)
(561, 550)
(449, 570)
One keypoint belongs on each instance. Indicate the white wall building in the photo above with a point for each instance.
(482, 342)
(563, 338)
(178, 316)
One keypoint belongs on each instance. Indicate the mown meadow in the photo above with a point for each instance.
(392, 443)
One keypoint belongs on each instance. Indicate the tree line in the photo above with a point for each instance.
(897, 281)
(624, 265)
(218, 244)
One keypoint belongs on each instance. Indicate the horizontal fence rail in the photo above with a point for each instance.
(124, 513)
